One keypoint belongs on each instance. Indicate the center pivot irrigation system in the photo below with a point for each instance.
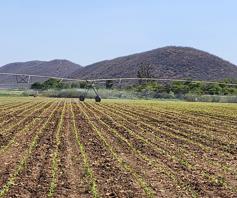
(90, 83)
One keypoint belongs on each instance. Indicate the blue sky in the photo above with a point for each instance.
(92, 30)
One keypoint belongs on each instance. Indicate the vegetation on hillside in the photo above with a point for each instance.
(167, 62)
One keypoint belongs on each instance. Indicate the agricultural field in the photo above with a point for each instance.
(117, 148)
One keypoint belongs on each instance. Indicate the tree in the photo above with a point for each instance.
(37, 85)
(196, 88)
(108, 84)
(83, 84)
(179, 87)
(144, 71)
(213, 89)
(52, 84)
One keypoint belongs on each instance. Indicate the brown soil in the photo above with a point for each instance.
(126, 150)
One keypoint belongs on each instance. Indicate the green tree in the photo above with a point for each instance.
(37, 85)
(52, 84)
(179, 88)
(109, 84)
(213, 89)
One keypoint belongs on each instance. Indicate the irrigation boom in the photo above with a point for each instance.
(118, 79)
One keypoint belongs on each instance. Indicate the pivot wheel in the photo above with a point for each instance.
(81, 98)
(97, 99)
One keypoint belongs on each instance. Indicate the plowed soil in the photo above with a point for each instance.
(116, 148)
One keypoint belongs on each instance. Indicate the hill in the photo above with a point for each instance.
(167, 62)
(59, 68)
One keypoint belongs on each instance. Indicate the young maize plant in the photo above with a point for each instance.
(55, 159)
(84, 156)
(147, 189)
(27, 154)
(31, 126)
(159, 166)
(33, 111)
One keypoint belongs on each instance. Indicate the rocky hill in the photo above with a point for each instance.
(58, 68)
(167, 62)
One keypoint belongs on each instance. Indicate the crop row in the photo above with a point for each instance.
(66, 147)
(177, 131)
(26, 113)
(201, 127)
(89, 171)
(28, 128)
(14, 111)
(135, 118)
(21, 165)
(128, 168)
(55, 158)
(127, 120)
(149, 152)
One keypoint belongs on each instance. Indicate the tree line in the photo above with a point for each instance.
(146, 71)
(182, 88)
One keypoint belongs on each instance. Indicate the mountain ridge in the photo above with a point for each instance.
(172, 62)
(168, 62)
(56, 67)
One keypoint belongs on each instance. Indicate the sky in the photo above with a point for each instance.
(87, 31)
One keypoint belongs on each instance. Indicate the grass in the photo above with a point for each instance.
(128, 94)
(9, 92)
